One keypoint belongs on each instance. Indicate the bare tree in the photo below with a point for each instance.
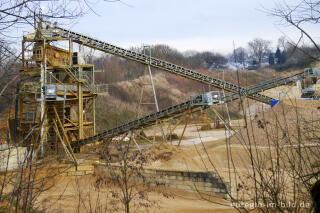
(125, 171)
(20, 189)
(213, 59)
(258, 49)
(18, 13)
(22, 14)
(283, 43)
(281, 149)
(240, 55)
(299, 16)
(8, 73)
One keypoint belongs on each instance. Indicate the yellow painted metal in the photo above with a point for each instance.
(185, 126)
(55, 126)
(80, 105)
(74, 95)
(94, 116)
(39, 130)
(66, 139)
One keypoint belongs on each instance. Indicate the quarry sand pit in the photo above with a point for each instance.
(281, 125)
(78, 149)
(64, 196)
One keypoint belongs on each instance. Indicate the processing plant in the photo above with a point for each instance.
(55, 101)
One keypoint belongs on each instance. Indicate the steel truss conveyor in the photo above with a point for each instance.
(202, 100)
(154, 62)
(192, 104)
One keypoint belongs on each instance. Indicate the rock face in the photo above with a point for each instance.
(11, 157)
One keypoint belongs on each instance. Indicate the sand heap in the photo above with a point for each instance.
(289, 122)
(160, 152)
(166, 156)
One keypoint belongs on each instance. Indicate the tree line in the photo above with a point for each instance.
(259, 52)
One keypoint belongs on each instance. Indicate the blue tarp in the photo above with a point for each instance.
(274, 102)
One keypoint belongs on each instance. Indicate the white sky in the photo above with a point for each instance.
(185, 24)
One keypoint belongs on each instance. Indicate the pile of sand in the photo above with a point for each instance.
(289, 122)
(161, 152)
(166, 156)
(310, 104)
(283, 92)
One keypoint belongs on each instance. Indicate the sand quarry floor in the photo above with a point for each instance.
(189, 156)
(64, 196)
(199, 151)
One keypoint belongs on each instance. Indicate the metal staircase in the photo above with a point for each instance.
(88, 83)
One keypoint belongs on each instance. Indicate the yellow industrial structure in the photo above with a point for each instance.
(56, 96)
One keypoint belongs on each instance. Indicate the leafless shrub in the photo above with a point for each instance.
(125, 172)
(281, 150)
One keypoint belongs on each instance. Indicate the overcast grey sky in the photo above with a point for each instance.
(184, 24)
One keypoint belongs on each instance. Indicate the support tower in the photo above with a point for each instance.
(55, 103)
